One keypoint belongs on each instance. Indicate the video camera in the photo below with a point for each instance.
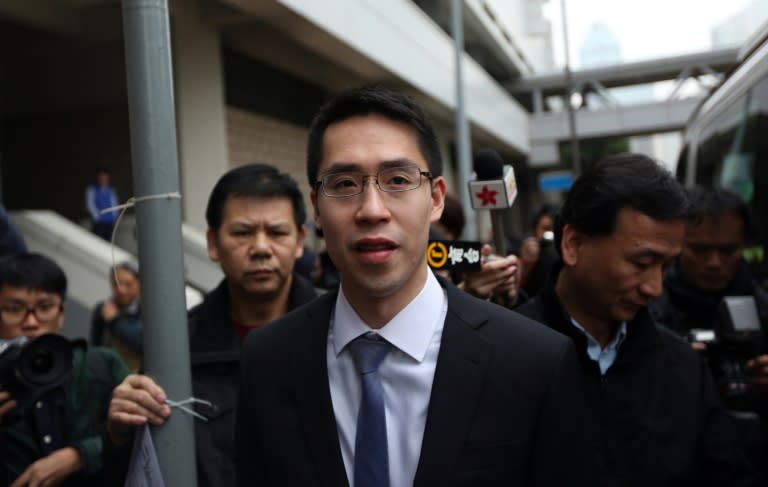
(736, 338)
(30, 368)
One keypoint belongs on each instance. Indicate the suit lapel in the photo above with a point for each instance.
(461, 367)
(314, 395)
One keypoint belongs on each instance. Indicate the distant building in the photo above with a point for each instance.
(734, 30)
(602, 48)
(248, 75)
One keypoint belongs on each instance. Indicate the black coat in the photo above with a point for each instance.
(215, 355)
(659, 418)
(505, 408)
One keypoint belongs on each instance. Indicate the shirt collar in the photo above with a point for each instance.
(616, 341)
(411, 330)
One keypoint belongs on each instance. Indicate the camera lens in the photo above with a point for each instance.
(41, 361)
(45, 360)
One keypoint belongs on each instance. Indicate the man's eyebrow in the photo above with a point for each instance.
(21, 302)
(341, 167)
(646, 252)
(280, 224)
(269, 224)
(354, 167)
(399, 162)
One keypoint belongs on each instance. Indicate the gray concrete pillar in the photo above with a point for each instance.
(200, 108)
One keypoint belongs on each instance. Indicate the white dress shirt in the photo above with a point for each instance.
(406, 374)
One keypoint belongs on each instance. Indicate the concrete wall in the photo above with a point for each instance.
(252, 137)
(200, 109)
(399, 37)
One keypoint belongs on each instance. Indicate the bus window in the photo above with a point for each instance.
(732, 154)
(736, 170)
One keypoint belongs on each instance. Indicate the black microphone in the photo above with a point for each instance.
(495, 190)
(488, 165)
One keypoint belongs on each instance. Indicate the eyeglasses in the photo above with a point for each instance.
(344, 184)
(16, 313)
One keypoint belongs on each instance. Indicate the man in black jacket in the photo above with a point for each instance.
(255, 216)
(658, 414)
(709, 269)
(50, 430)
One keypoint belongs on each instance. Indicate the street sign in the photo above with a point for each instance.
(555, 181)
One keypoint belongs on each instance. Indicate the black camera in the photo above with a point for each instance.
(736, 338)
(28, 369)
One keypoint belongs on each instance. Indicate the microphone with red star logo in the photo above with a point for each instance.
(495, 189)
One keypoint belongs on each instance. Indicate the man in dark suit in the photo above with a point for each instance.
(397, 378)
(659, 418)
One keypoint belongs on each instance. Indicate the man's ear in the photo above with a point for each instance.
(59, 323)
(438, 198)
(300, 244)
(313, 198)
(213, 249)
(570, 245)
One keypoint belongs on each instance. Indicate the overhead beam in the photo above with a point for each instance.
(617, 121)
(626, 74)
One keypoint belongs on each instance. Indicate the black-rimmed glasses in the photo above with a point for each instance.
(15, 313)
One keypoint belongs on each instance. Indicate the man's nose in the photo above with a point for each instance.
(714, 258)
(259, 244)
(654, 282)
(372, 204)
(31, 319)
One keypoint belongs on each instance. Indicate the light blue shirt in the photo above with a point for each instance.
(603, 356)
(406, 375)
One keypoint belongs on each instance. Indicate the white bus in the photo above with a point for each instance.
(726, 141)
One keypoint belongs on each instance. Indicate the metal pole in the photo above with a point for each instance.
(463, 143)
(575, 152)
(156, 172)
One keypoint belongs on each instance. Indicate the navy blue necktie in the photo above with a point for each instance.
(371, 460)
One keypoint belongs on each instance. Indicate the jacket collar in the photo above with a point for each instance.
(461, 367)
(675, 283)
(210, 325)
(641, 330)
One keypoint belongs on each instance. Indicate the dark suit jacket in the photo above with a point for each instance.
(507, 406)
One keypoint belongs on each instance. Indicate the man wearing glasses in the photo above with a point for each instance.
(397, 378)
(57, 440)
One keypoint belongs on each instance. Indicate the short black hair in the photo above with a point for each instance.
(369, 100)
(620, 181)
(125, 265)
(545, 210)
(453, 215)
(714, 203)
(254, 181)
(33, 271)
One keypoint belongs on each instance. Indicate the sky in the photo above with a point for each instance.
(646, 29)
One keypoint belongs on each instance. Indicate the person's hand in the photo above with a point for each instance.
(6, 403)
(758, 369)
(51, 470)
(109, 310)
(136, 401)
(497, 277)
(699, 346)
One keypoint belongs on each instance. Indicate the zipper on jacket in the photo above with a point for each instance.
(603, 384)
